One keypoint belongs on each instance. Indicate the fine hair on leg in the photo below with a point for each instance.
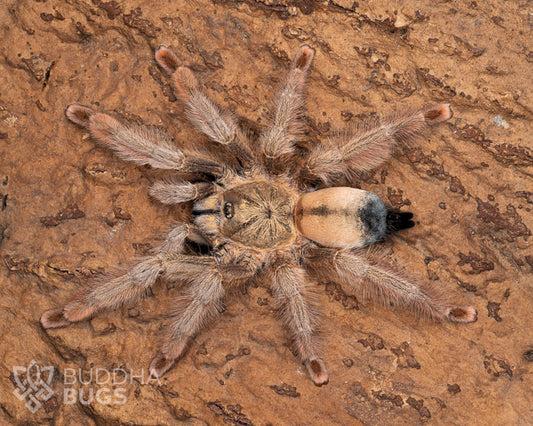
(386, 285)
(205, 115)
(112, 291)
(140, 145)
(176, 191)
(369, 145)
(277, 142)
(201, 302)
(294, 300)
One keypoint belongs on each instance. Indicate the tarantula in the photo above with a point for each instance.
(262, 210)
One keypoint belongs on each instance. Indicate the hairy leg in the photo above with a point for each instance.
(140, 145)
(370, 146)
(179, 191)
(190, 315)
(201, 302)
(278, 140)
(113, 292)
(289, 288)
(385, 284)
(203, 113)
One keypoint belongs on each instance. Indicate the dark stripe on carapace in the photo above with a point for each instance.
(250, 200)
(249, 222)
(285, 225)
(202, 212)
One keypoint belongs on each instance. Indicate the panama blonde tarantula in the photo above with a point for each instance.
(261, 210)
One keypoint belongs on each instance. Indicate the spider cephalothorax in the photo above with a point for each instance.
(256, 215)
(262, 209)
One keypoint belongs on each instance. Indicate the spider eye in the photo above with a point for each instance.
(228, 210)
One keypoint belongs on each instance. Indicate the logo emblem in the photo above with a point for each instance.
(33, 384)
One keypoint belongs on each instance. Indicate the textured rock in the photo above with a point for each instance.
(69, 210)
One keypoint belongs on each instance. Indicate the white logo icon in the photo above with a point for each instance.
(33, 384)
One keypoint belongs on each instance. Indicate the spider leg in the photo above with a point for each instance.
(179, 191)
(203, 113)
(201, 303)
(191, 314)
(140, 145)
(278, 140)
(289, 289)
(111, 293)
(385, 284)
(369, 147)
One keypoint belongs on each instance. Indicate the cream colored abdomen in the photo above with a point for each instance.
(341, 217)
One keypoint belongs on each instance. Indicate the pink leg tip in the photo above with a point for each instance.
(317, 371)
(438, 113)
(303, 58)
(79, 114)
(160, 365)
(167, 59)
(54, 318)
(464, 314)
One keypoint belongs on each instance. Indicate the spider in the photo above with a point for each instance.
(264, 209)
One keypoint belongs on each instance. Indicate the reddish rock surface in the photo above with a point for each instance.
(69, 210)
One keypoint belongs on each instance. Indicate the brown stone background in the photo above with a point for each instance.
(69, 209)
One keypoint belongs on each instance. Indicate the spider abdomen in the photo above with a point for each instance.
(341, 217)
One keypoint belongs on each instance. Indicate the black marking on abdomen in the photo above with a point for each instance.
(373, 219)
(322, 210)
